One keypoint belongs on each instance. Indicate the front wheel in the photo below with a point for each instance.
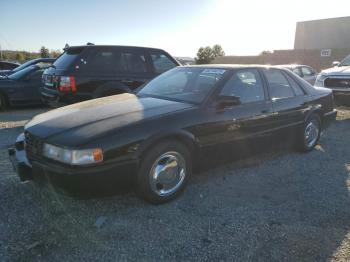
(164, 172)
(310, 133)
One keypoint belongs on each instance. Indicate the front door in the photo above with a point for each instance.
(248, 120)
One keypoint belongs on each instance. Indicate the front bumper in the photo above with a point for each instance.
(72, 180)
(329, 118)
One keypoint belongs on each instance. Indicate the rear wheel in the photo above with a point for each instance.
(164, 172)
(310, 133)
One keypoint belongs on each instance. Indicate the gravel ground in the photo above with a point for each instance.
(281, 206)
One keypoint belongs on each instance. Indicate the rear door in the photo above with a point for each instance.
(287, 99)
(136, 68)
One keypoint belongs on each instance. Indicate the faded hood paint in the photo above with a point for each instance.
(86, 120)
(341, 70)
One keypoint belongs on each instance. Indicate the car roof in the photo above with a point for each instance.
(119, 46)
(292, 65)
(234, 66)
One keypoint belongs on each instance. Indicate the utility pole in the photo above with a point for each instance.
(0, 52)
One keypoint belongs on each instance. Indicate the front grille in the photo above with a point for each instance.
(33, 146)
(337, 82)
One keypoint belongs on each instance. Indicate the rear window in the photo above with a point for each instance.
(66, 59)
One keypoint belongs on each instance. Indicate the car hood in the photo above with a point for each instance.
(341, 70)
(79, 123)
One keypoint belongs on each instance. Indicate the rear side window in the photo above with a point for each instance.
(67, 58)
(297, 71)
(111, 61)
(278, 84)
(297, 89)
(134, 62)
(102, 61)
(307, 71)
(161, 62)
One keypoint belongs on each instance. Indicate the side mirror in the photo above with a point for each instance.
(227, 101)
(335, 63)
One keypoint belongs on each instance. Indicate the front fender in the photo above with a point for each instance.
(181, 135)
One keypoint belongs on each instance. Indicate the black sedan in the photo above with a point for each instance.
(5, 65)
(22, 88)
(37, 61)
(157, 135)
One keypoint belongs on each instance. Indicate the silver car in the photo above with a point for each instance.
(306, 72)
(336, 78)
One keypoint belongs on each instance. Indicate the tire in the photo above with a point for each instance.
(172, 183)
(309, 134)
(3, 103)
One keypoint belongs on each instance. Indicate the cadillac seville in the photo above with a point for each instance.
(156, 136)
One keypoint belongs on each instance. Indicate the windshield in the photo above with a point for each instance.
(345, 62)
(22, 73)
(22, 66)
(184, 84)
(66, 59)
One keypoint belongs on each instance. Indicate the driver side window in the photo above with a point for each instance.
(245, 84)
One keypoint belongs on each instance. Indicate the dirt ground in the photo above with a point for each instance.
(278, 206)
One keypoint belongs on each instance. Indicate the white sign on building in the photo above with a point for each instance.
(326, 52)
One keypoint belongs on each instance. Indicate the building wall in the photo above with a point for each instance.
(308, 57)
(324, 33)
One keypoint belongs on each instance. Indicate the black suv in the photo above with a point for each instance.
(92, 71)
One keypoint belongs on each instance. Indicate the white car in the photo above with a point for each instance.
(336, 78)
(306, 72)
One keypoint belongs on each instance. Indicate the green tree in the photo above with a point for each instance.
(55, 53)
(206, 55)
(218, 51)
(20, 57)
(44, 52)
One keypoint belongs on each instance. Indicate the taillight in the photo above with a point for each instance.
(67, 84)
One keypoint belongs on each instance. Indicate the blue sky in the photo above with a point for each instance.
(178, 26)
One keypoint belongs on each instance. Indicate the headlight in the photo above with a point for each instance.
(73, 157)
(320, 80)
